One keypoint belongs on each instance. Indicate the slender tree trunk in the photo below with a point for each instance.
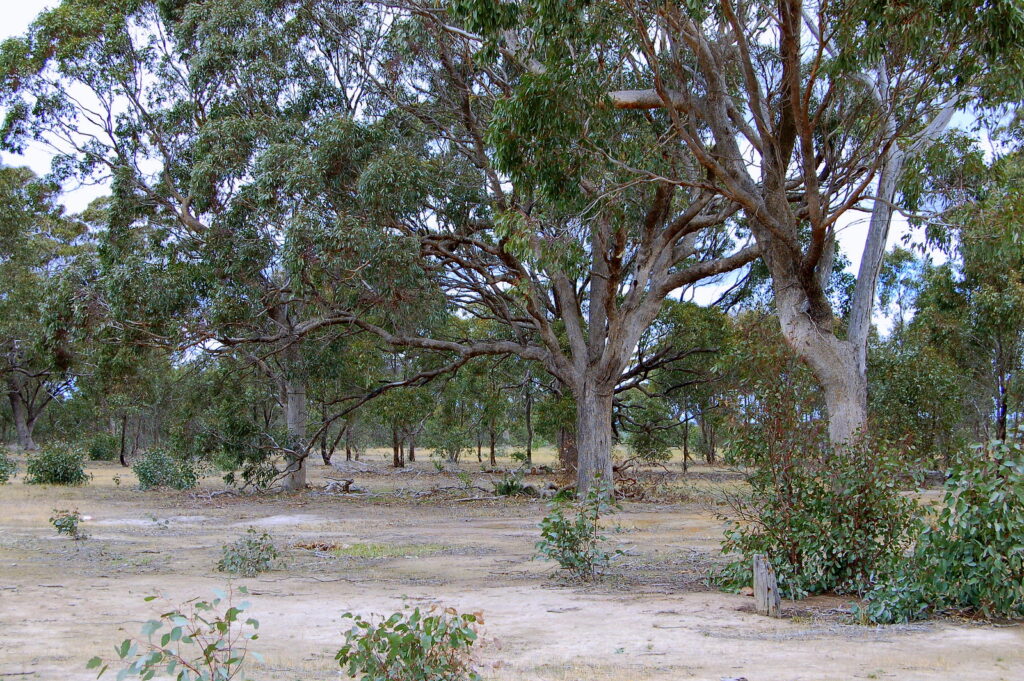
(295, 418)
(1002, 409)
(491, 437)
(138, 437)
(412, 449)
(686, 443)
(396, 453)
(348, 443)
(23, 424)
(707, 432)
(121, 452)
(529, 428)
(334, 444)
(479, 448)
(594, 436)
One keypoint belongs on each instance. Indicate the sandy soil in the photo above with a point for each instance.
(62, 601)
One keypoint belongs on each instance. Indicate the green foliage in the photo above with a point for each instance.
(251, 555)
(971, 556)
(838, 527)
(432, 646)
(103, 446)
(519, 457)
(197, 641)
(571, 533)
(650, 428)
(511, 485)
(67, 523)
(8, 467)
(159, 468)
(828, 519)
(56, 463)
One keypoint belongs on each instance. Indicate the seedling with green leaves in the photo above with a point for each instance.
(197, 641)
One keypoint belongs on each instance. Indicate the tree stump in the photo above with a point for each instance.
(766, 589)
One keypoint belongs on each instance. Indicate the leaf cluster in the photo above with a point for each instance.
(419, 646)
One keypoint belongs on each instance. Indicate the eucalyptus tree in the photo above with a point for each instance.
(972, 307)
(240, 206)
(549, 237)
(800, 113)
(37, 349)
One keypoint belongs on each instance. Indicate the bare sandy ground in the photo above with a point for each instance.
(62, 601)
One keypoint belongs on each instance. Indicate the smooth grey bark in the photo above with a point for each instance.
(397, 460)
(24, 422)
(593, 436)
(295, 421)
(787, 138)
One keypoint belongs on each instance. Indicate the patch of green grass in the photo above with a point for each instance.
(374, 550)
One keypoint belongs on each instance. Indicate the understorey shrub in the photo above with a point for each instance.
(970, 557)
(103, 446)
(572, 536)
(512, 485)
(67, 523)
(160, 468)
(56, 463)
(251, 555)
(837, 528)
(420, 646)
(197, 641)
(827, 519)
(8, 467)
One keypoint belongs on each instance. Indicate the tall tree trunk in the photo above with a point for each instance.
(348, 443)
(686, 443)
(707, 431)
(492, 437)
(396, 453)
(529, 427)
(594, 436)
(479, 448)
(412, 449)
(124, 429)
(23, 423)
(295, 419)
(334, 444)
(1002, 410)
(807, 326)
(568, 454)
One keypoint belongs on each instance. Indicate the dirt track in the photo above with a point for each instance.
(62, 601)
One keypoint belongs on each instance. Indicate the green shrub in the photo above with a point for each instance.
(57, 463)
(571, 535)
(67, 523)
(415, 647)
(511, 485)
(7, 467)
(201, 641)
(159, 468)
(252, 554)
(103, 446)
(828, 519)
(519, 458)
(837, 529)
(971, 557)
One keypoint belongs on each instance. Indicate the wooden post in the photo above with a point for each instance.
(766, 589)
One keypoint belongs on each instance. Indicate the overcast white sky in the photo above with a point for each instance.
(18, 14)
